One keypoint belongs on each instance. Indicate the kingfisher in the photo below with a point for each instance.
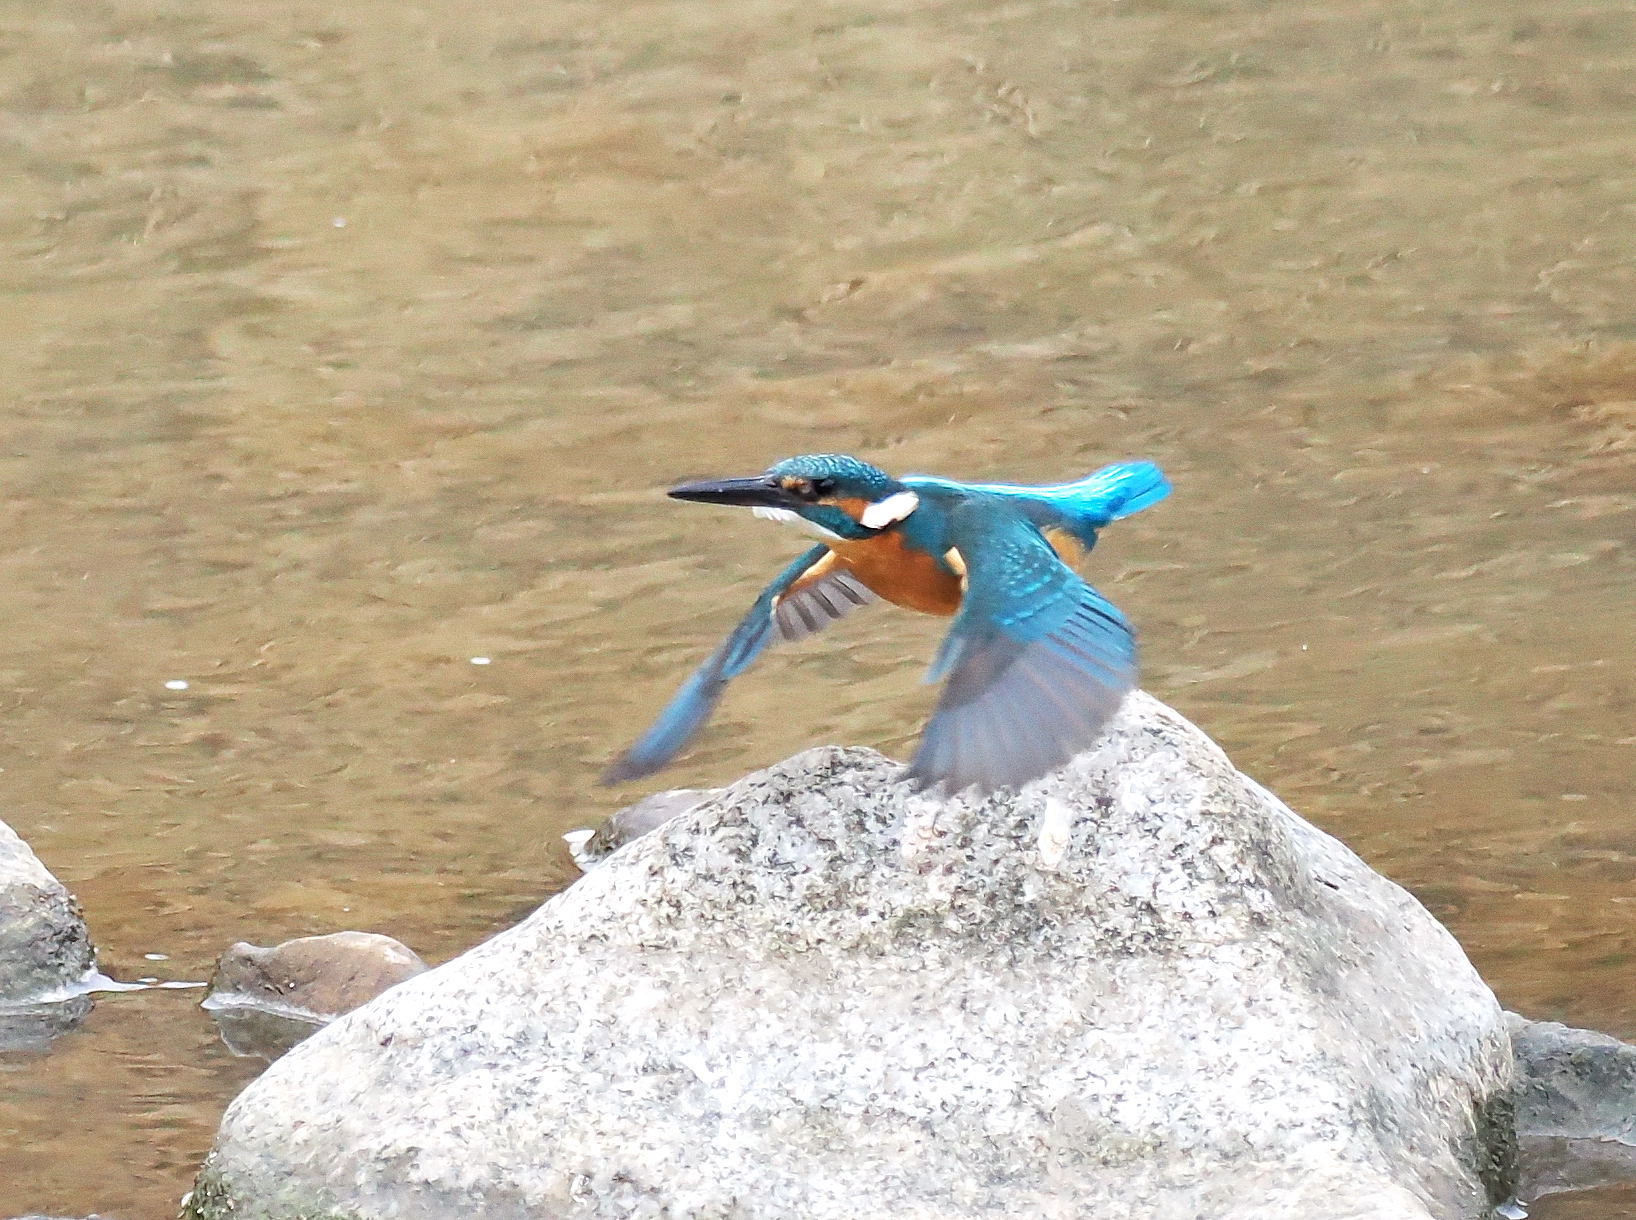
(1036, 661)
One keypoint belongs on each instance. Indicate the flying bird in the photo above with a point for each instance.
(1036, 660)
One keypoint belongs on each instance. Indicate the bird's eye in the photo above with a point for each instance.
(801, 489)
(823, 487)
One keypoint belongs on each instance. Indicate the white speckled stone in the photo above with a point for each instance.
(817, 997)
(44, 946)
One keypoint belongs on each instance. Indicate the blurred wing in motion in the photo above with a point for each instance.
(1037, 661)
(804, 598)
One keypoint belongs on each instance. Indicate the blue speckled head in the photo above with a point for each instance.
(837, 476)
(832, 490)
(834, 495)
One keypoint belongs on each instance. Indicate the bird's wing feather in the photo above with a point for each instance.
(826, 593)
(1037, 660)
(809, 594)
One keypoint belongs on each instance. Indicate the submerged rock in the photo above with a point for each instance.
(257, 1033)
(264, 1001)
(316, 977)
(45, 948)
(591, 846)
(35, 1026)
(1141, 989)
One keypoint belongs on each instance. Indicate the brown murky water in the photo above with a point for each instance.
(348, 343)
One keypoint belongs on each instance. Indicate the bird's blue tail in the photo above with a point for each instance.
(1113, 492)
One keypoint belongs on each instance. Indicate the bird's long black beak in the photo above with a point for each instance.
(758, 492)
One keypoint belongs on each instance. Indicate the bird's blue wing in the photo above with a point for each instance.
(794, 613)
(1037, 660)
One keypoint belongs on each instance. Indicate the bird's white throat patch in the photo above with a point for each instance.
(791, 517)
(889, 511)
(876, 516)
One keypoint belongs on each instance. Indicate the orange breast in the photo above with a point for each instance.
(900, 574)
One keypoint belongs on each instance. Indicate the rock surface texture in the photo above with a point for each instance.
(1141, 989)
(1574, 1083)
(44, 946)
(1576, 1107)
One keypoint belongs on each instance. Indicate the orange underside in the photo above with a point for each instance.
(907, 577)
(900, 574)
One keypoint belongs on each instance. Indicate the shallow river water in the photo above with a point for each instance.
(347, 343)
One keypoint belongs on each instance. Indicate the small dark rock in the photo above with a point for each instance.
(591, 847)
(1576, 1107)
(1573, 1083)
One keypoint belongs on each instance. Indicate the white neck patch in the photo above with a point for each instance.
(791, 517)
(889, 511)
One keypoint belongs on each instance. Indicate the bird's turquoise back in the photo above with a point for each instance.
(1081, 508)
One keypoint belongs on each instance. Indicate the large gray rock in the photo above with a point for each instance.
(45, 949)
(818, 997)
